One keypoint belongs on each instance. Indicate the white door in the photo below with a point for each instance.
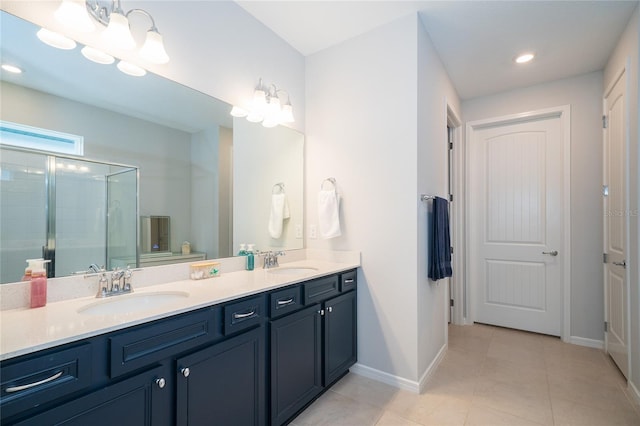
(516, 213)
(615, 226)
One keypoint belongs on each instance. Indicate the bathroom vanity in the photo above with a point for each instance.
(256, 359)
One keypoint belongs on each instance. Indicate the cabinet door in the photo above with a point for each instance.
(224, 383)
(138, 401)
(340, 340)
(296, 362)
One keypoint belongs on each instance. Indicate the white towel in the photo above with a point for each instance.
(328, 216)
(279, 212)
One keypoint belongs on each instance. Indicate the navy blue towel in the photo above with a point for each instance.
(440, 246)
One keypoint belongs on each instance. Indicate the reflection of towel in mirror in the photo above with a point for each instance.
(279, 212)
(328, 216)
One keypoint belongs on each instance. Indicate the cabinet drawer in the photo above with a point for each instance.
(320, 289)
(48, 376)
(245, 314)
(348, 281)
(284, 301)
(146, 344)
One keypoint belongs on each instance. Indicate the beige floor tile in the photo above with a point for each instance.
(525, 400)
(390, 418)
(432, 409)
(571, 413)
(512, 372)
(484, 416)
(517, 353)
(335, 409)
(366, 390)
(587, 392)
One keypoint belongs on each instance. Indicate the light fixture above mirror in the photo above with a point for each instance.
(266, 107)
(81, 15)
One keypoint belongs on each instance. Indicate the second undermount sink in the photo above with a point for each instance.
(293, 270)
(133, 302)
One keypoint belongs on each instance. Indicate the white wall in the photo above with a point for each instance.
(435, 94)
(374, 110)
(215, 47)
(584, 95)
(627, 49)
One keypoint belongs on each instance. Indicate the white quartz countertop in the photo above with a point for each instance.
(28, 330)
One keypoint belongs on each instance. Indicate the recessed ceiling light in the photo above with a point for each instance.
(524, 58)
(11, 68)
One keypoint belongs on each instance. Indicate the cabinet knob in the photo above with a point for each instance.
(185, 371)
(161, 382)
(330, 308)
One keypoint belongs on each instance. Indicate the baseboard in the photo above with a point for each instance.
(387, 378)
(635, 394)
(432, 367)
(591, 343)
(400, 382)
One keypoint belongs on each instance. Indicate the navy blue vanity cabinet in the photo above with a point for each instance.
(314, 346)
(225, 383)
(296, 362)
(140, 400)
(340, 338)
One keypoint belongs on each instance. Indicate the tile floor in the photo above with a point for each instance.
(490, 376)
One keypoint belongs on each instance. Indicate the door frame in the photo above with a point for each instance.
(622, 72)
(563, 112)
(457, 219)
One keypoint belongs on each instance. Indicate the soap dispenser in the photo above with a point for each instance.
(250, 257)
(29, 269)
(38, 286)
(243, 250)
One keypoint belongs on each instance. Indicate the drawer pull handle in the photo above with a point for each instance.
(240, 316)
(348, 281)
(285, 302)
(34, 384)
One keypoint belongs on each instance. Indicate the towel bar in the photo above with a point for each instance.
(425, 197)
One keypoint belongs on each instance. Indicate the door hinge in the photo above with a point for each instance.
(451, 248)
(606, 326)
(451, 302)
(605, 190)
(605, 122)
(450, 145)
(450, 197)
(605, 257)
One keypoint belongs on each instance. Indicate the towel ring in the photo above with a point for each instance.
(279, 187)
(330, 180)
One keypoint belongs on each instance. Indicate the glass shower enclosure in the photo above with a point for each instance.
(72, 211)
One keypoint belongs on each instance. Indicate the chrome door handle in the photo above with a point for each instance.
(240, 316)
(551, 253)
(623, 264)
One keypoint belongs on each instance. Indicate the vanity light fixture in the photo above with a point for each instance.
(524, 58)
(96, 55)
(79, 16)
(55, 39)
(266, 107)
(131, 69)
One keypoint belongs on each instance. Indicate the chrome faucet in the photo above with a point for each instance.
(118, 282)
(271, 259)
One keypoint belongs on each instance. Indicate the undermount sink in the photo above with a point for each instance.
(133, 302)
(293, 270)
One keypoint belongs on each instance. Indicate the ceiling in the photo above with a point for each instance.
(476, 40)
